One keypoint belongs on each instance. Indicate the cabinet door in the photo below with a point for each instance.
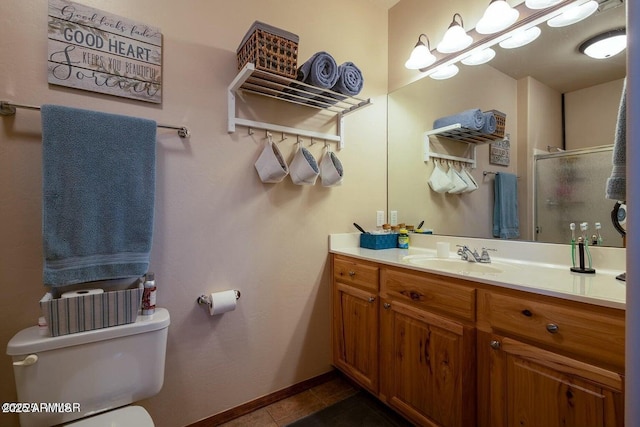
(428, 366)
(531, 387)
(355, 334)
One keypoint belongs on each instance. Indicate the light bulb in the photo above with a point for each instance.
(498, 16)
(455, 39)
(443, 73)
(521, 38)
(574, 14)
(541, 4)
(479, 57)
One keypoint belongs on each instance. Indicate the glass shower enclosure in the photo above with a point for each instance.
(570, 187)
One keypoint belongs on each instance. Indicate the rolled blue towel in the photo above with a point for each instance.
(320, 70)
(470, 119)
(490, 123)
(349, 83)
(350, 79)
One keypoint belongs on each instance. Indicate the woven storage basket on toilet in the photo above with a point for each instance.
(269, 49)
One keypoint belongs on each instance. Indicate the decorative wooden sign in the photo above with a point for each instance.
(499, 152)
(100, 52)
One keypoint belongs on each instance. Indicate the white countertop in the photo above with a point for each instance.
(530, 266)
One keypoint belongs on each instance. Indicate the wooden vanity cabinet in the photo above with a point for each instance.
(355, 320)
(551, 364)
(427, 359)
(447, 352)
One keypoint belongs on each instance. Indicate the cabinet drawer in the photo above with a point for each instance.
(430, 292)
(592, 332)
(358, 273)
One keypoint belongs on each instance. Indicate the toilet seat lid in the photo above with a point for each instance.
(128, 416)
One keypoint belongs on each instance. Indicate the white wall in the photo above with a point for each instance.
(591, 115)
(216, 226)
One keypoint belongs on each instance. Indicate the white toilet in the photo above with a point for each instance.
(90, 373)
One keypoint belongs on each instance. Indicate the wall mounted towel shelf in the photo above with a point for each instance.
(457, 133)
(262, 83)
(8, 108)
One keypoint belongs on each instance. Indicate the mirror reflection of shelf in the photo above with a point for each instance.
(457, 133)
(257, 82)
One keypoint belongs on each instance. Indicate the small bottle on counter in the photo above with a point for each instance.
(149, 294)
(403, 239)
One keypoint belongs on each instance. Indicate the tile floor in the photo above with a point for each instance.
(298, 406)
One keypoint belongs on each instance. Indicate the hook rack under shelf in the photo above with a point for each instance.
(427, 154)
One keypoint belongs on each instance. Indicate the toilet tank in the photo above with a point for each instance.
(82, 374)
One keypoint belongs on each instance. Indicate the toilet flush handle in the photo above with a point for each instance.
(27, 361)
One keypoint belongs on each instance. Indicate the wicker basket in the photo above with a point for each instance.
(501, 119)
(269, 49)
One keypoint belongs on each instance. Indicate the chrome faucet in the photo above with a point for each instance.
(467, 254)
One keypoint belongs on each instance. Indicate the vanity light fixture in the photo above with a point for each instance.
(574, 14)
(456, 38)
(479, 57)
(421, 56)
(521, 38)
(541, 4)
(444, 72)
(605, 45)
(498, 16)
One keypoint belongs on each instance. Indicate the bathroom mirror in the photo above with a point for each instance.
(550, 69)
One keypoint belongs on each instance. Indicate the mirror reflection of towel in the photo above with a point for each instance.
(505, 209)
(617, 184)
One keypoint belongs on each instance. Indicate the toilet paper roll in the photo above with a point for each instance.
(82, 293)
(222, 302)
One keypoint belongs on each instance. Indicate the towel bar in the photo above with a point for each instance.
(9, 109)
(485, 173)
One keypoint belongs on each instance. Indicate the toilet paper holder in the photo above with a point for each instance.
(206, 299)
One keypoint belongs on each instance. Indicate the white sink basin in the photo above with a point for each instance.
(456, 265)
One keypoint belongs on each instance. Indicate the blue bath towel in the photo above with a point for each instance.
(505, 207)
(470, 119)
(350, 80)
(349, 83)
(98, 195)
(320, 70)
(490, 123)
(617, 183)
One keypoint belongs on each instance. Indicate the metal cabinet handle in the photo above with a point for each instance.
(352, 273)
(553, 328)
(495, 344)
(386, 306)
(372, 299)
(27, 361)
